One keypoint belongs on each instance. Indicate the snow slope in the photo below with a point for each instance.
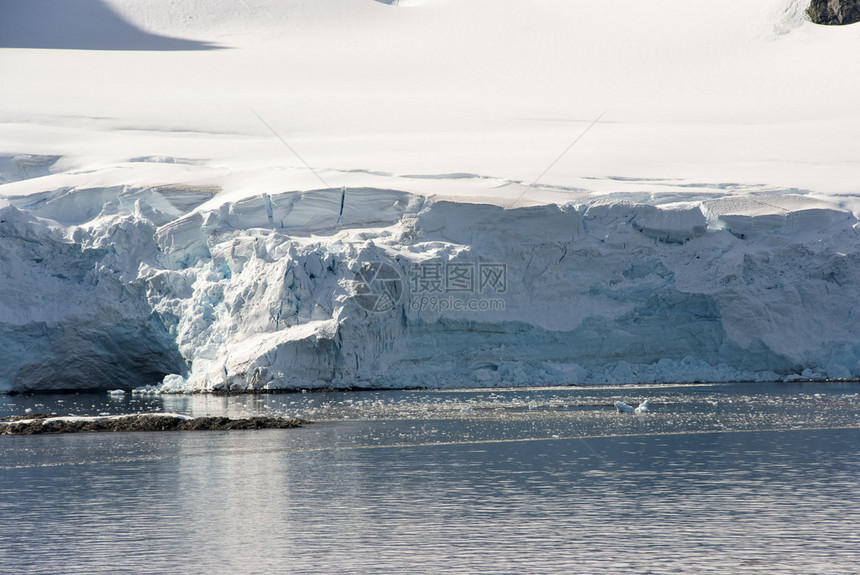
(350, 192)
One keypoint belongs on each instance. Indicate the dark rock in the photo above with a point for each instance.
(834, 12)
(32, 425)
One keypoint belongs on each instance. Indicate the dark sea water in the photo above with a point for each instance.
(715, 479)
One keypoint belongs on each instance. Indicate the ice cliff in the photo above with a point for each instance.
(372, 287)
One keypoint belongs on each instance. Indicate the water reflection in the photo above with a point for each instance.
(406, 483)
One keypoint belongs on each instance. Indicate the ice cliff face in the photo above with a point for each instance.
(370, 287)
(73, 312)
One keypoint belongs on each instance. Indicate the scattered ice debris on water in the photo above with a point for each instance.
(146, 390)
(533, 405)
(624, 408)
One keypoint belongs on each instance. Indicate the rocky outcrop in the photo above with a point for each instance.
(37, 424)
(834, 12)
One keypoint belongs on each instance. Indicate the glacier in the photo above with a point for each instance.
(264, 292)
(351, 193)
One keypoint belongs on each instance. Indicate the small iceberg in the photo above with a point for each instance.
(624, 408)
(116, 392)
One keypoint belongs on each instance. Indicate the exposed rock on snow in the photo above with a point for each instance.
(834, 12)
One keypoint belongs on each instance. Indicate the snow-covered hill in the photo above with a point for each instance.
(493, 192)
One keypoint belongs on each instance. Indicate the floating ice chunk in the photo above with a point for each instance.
(642, 408)
(623, 407)
(116, 392)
